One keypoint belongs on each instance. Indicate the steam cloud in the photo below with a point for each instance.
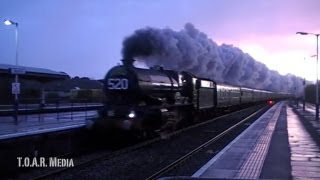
(191, 50)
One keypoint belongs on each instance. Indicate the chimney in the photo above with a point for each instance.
(128, 62)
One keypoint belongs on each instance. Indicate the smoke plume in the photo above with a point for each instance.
(191, 50)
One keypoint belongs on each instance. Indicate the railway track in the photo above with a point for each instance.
(102, 156)
(88, 160)
(182, 159)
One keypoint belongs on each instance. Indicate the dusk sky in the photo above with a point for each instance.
(84, 37)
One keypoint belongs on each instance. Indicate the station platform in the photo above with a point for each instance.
(279, 145)
(8, 110)
(42, 123)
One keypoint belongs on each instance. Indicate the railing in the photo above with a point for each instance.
(54, 110)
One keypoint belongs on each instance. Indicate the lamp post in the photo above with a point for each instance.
(317, 83)
(16, 100)
(304, 90)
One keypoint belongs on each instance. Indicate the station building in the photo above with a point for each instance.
(32, 83)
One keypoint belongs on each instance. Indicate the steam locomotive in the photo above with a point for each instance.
(158, 99)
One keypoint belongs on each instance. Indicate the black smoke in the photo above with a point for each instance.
(191, 50)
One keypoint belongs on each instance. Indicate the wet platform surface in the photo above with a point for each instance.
(9, 110)
(276, 146)
(305, 154)
(309, 115)
(42, 123)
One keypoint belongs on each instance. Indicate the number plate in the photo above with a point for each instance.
(117, 83)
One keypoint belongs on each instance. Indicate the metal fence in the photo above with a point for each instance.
(52, 110)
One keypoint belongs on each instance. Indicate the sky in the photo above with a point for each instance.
(84, 37)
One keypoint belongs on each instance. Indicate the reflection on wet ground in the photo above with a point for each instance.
(305, 154)
(36, 123)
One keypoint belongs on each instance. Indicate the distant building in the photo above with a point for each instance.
(75, 89)
(74, 83)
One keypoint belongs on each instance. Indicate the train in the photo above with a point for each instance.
(158, 99)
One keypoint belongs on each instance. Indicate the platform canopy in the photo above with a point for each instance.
(39, 74)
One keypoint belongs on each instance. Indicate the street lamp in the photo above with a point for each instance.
(304, 90)
(16, 100)
(10, 23)
(317, 83)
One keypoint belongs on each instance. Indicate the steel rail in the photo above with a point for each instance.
(194, 151)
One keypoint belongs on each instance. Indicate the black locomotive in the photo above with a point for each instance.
(158, 99)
